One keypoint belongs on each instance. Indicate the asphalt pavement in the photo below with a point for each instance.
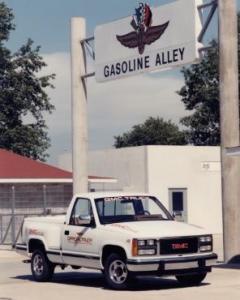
(16, 283)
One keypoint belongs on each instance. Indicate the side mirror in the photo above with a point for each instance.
(85, 220)
(177, 216)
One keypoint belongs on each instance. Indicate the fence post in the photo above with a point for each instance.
(44, 199)
(13, 214)
(1, 226)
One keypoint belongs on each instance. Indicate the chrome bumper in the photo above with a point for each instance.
(173, 265)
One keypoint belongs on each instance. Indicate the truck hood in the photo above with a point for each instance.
(156, 229)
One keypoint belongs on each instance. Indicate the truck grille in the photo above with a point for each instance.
(179, 245)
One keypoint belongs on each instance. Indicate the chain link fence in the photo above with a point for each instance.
(22, 200)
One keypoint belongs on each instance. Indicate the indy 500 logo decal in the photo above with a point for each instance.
(144, 33)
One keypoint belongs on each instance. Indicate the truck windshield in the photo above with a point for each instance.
(130, 208)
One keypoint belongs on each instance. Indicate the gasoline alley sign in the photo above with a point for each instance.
(152, 39)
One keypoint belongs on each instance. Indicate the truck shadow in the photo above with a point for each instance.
(96, 280)
(233, 266)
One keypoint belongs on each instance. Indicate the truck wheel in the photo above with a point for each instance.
(193, 279)
(42, 268)
(116, 272)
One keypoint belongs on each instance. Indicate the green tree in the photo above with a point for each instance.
(200, 94)
(154, 131)
(23, 98)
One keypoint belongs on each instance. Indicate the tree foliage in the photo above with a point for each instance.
(154, 131)
(200, 94)
(23, 98)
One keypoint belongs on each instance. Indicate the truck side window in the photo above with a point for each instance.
(81, 210)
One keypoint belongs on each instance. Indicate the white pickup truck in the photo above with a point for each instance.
(121, 234)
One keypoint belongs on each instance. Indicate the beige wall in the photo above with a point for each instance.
(127, 165)
(198, 170)
(156, 169)
(195, 168)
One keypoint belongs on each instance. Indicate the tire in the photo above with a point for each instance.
(42, 269)
(192, 279)
(116, 272)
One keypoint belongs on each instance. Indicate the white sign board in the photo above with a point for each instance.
(152, 39)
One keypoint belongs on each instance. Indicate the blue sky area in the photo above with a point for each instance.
(47, 23)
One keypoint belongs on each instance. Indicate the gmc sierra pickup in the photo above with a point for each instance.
(121, 234)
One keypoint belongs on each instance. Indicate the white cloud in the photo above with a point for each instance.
(59, 63)
(113, 107)
(59, 122)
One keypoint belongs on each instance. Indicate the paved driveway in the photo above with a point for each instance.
(16, 283)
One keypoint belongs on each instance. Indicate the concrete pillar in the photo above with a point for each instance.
(229, 115)
(79, 107)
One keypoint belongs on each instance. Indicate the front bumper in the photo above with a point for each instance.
(173, 266)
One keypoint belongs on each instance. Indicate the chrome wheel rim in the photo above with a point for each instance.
(118, 272)
(38, 264)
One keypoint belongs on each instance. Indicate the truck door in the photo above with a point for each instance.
(79, 237)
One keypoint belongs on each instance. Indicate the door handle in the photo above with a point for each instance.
(66, 232)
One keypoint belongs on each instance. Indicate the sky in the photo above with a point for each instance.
(113, 107)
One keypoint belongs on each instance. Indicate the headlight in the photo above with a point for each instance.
(151, 242)
(206, 248)
(205, 239)
(205, 243)
(141, 243)
(144, 247)
(146, 252)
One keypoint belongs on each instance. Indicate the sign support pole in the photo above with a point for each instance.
(79, 107)
(229, 116)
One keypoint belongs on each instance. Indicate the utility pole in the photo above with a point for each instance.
(229, 119)
(79, 107)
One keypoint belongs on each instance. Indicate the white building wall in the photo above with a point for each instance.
(198, 170)
(156, 169)
(186, 167)
(127, 165)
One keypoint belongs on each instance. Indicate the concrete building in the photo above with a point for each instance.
(187, 179)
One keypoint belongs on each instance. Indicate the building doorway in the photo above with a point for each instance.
(178, 203)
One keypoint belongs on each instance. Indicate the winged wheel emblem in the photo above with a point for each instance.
(144, 33)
